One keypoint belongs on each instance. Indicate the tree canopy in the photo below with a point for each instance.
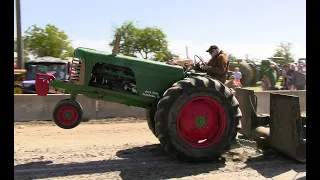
(25, 53)
(148, 42)
(164, 56)
(48, 41)
(284, 50)
(231, 57)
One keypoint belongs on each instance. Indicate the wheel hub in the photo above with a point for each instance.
(201, 121)
(67, 115)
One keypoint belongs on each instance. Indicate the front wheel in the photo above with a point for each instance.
(196, 119)
(67, 114)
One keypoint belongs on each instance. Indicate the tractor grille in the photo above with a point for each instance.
(77, 71)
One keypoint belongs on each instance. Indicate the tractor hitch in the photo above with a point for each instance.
(283, 130)
(42, 83)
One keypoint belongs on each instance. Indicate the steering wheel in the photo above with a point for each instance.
(198, 63)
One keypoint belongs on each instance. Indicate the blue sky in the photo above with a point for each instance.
(240, 27)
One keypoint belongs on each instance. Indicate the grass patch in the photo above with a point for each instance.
(258, 88)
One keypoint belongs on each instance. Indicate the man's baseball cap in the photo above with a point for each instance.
(212, 48)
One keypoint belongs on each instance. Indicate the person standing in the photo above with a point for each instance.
(237, 76)
(284, 79)
(290, 77)
(300, 79)
(270, 78)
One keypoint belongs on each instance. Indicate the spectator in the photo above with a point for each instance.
(237, 75)
(283, 74)
(232, 83)
(300, 79)
(270, 78)
(290, 77)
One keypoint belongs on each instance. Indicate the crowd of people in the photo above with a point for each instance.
(293, 78)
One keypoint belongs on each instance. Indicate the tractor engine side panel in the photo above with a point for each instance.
(153, 82)
(112, 77)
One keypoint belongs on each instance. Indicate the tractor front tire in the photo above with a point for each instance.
(150, 120)
(67, 114)
(196, 119)
(17, 89)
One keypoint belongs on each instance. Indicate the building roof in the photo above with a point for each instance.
(47, 59)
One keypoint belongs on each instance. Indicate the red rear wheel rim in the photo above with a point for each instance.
(201, 122)
(67, 115)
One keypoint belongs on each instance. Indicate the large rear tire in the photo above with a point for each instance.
(150, 120)
(247, 73)
(195, 109)
(255, 76)
(150, 112)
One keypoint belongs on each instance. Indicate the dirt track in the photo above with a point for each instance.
(126, 149)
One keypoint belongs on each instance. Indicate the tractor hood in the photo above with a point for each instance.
(126, 61)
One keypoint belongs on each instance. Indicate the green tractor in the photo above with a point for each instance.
(249, 69)
(194, 116)
(280, 61)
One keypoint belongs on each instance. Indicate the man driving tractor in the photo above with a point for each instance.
(217, 66)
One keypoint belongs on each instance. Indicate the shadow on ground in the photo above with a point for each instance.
(146, 162)
(150, 162)
(272, 164)
(302, 178)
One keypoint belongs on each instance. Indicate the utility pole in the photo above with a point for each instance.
(19, 36)
(187, 52)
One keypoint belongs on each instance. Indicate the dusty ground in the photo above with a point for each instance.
(126, 149)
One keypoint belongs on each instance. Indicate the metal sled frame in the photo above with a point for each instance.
(284, 130)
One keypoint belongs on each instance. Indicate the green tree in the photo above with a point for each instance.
(25, 53)
(164, 56)
(48, 41)
(231, 57)
(151, 41)
(128, 34)
(146, 42)
(284, 50)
